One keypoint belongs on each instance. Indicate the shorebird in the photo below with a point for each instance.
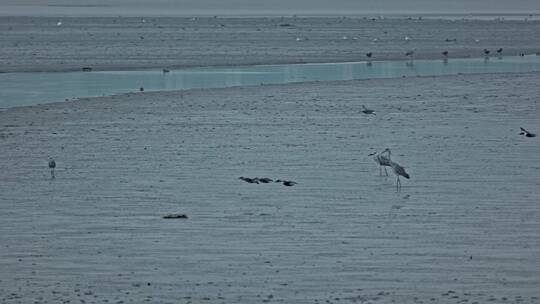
(52, 165)
(486, 52)
(383, 161)
(407, 38)
(367, 111)
(264, 180)
(289, 183)
(499, 51)
(59, 23)
(398, 171)
(410, 54)
(369, 54)
(166, 71)
(445, 53)
(249, 180)
(526, 133)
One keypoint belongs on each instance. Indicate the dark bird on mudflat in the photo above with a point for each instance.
(249, 180)
(499, 50)
(445, 53)
(264, 180)
(367, 111)
(52, 165)
(526, 133)
(289, 183)
(486, 52)
(369, 54)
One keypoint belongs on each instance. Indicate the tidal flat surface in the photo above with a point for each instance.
(464, 229)
(107, 43)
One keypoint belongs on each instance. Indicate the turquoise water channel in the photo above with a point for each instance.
(22, 89)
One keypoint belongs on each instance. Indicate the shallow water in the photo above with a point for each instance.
(22, 89)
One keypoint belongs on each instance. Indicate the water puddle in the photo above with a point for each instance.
(22, 89)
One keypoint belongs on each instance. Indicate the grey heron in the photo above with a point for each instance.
(397, 168)
(383, 161)
(398, 171)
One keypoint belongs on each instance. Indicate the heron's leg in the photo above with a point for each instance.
(52, 173)
(385, 171)
(398, 183)
(380, 170)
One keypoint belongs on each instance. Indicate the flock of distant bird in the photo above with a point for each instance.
(383, 159)
(410, 53)
(266, 180)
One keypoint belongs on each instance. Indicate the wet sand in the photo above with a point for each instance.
(464, 229)
(38, 44)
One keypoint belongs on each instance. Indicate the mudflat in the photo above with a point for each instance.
(107, 43)
(464, 228)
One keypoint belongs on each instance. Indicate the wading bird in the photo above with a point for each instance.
(383, 161)
(369, 54)
(52, 165)
(486, 52)
(398, 171)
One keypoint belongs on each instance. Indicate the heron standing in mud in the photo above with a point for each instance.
(398, 171)
(383, 161)
(387, 162)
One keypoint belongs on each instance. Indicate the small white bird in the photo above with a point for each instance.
(407, 38)
(59, 23)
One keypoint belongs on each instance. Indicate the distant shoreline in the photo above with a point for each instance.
(106, 10)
